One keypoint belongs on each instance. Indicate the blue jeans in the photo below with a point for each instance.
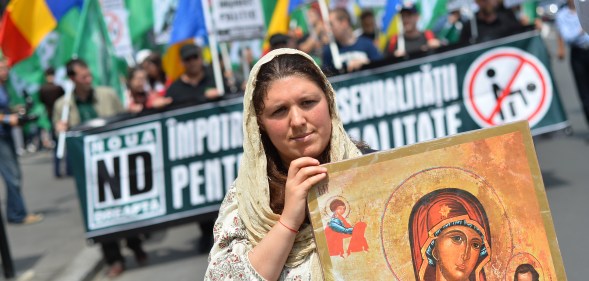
(15, 205)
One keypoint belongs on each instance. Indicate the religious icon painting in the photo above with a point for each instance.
(467, 207)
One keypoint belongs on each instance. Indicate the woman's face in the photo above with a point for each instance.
(457, 250)
(137, 83)
(296, 118)
(150, 68)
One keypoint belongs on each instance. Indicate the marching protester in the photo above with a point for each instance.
(368, 26)
(138, 96)
(572, 33)
(312, 43)
(291, 126)
(415, 40)
(85, 104)
(156, 77)
(491, 23)
(16, 210)
(280, 40)
(354, 51)
(449, 27)
(197, 84)
(48, 94)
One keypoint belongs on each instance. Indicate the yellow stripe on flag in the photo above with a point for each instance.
(171, 61)
(33, 18)
(279, 21)
(393, 29)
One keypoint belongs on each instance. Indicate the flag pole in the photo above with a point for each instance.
(474, 31)
(227, 66)
(401, 36)
(69, 87)
(213, 42)
(337, 61)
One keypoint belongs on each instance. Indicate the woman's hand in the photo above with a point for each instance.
(269, 256)
(303, 173)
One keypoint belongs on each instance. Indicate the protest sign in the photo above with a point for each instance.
(157, 169)
(236, 20)
(116, 19)
(460, 90)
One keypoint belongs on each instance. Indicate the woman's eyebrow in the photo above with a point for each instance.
(454, 231)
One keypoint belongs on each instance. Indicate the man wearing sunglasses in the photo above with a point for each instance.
(196, 85)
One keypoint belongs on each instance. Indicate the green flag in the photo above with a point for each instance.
(429, 12)
(140, 22)
(93, 46)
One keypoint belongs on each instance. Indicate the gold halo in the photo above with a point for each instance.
(395, 218)
(522, 258)
(327, 213)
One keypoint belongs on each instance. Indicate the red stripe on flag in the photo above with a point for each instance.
(14, 45)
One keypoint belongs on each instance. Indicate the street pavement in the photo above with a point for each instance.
(55, 249)
(41, 251)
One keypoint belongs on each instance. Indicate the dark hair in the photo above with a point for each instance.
(342, 15)
(525, 268)
(283, 66)
(336, 203)
(156, 59)
(49, 71)
(131, 74)
(366, 14)
(69, 67)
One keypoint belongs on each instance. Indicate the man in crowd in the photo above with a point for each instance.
(196, 85)
(354, 51)
(572, 33)
(16, 211)
(85, 104)
(48, 94)
(281, 40)
(368, 27)
(415, 40)
(491, 23)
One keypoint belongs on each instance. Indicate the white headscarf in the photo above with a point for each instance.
(252, 182)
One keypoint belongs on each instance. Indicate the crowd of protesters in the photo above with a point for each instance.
(358, 40)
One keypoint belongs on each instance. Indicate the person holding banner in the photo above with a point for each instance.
(196, 85)
(415, 40)
(291, 126)
(88, 103)
(491, 23)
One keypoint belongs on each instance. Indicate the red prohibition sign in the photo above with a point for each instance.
(522, 61)
(114, 26)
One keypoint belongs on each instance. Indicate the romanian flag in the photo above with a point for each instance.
(278, 22)
(188, 23)
(389, 22)
(293, 5)
(280, 18)
(26, 23)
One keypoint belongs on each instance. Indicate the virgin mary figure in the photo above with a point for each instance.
(449, 236)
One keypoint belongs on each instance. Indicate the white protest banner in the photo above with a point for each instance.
(372, 3)
(238, 19)
(163, 17)
(116, 20)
